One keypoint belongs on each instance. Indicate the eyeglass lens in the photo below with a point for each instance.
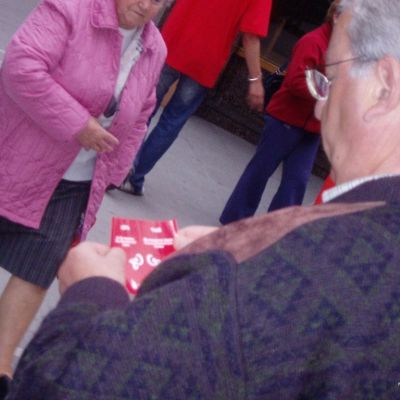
(321, 84)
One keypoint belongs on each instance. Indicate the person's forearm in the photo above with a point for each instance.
(255, 96)
(251, 46)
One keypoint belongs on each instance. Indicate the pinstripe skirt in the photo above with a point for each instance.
(35, 255)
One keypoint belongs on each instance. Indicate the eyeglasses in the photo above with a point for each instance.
(318, 84)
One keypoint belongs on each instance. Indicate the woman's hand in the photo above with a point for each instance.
(90, 259)
(94, 137)
(255, 95)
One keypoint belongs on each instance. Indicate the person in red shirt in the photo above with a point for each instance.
(291, 134)
(199, 36)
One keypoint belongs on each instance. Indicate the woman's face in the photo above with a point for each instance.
(135, 13)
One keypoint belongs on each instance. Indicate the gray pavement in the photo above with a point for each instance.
(190, 183)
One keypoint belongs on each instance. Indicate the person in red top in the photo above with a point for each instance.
(291, 134)
(199, 36)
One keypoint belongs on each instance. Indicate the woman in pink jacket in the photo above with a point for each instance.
(77, 86)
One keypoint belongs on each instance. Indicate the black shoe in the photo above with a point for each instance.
(111, 187)
(5, 383)
(127, 187)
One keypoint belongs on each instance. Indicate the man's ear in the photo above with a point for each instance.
(386, 91)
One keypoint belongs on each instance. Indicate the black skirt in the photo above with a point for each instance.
(35, 255)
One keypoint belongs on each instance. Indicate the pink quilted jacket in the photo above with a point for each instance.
(59, 68)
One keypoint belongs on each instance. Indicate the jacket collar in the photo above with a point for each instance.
(150, 32)
(382, 189)
(104, 15)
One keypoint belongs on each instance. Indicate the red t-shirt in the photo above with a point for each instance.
(199, 33)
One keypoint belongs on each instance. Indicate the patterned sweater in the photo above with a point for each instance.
(302, 303)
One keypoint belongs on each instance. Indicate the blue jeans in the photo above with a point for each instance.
(186, 99)
(296, 148)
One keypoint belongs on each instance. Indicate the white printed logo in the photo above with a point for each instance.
(134, 285)
(152, 261)
(136, 261)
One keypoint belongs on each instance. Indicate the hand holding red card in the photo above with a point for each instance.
(146, 243)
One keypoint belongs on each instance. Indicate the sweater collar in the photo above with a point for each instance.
(338, 190)
(380, 189)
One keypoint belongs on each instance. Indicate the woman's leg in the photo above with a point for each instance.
(276, 143)
(19, 303)
(296, 172)
(33, 257)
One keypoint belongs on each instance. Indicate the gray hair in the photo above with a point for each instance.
(374, 29)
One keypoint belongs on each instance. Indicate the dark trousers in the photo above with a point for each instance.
(280, 142)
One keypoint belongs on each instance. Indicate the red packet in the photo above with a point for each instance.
(145, 243)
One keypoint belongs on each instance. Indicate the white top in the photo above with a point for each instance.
(82, 168)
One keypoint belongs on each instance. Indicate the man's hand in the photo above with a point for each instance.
(255, 95)
(189, 234)
(94, 137)
(89, 260)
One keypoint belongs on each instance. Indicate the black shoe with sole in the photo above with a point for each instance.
(127, 187)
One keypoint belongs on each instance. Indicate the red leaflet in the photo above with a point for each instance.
(146, 243)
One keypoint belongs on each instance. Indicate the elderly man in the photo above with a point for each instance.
(300, 303)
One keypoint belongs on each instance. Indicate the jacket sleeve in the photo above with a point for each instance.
(305, 55)
(59, 339)
(34, 51)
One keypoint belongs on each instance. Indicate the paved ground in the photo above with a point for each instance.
(191, 182)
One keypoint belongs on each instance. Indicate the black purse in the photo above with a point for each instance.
(273, 82)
